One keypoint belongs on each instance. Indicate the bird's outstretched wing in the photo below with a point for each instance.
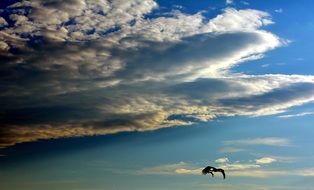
(223, 173)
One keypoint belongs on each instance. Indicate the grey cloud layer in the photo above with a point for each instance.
(81, 68)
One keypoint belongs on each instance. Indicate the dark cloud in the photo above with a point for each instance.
(297, 92)
(187, 57)
(207, 90)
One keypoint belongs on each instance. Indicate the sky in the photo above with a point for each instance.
(143, 94)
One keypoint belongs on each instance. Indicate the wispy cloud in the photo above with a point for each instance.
(222, 160)
(273, 173)
(239, 166)
(265, 160)
(180, 168)
(260, 173)
(296, 115)
(269, 141)
(300, 59)
(231, 150)
(245, 2)
(280, 10)
(228, 2)
(3, 22)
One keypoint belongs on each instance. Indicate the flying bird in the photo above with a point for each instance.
(210, 170)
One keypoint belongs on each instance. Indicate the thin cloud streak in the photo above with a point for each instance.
(231, 150)
(269, 141)
(296, 115)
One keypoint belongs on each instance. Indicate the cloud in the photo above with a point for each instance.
(296, 115)
(265, 160)
(83, 67)
(265, 65)
(239, 20)
(245, 2)
(306, 172)
(81, 19)
(222, 160)
(231, 150)
(269, 141)
(228, 2)
(260, 173)
(3, 22)
(238, 166)
(281, 159)
(180, 168)
(280, 10)
(274, 173)
(285, 159)
(127, 123)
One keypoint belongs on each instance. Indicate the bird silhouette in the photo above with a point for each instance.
(210, 170)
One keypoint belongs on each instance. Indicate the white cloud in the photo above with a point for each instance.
(238, 166)
(245, 2)
(259, 173)
(282, 159)
(306, 172)
(222, 160)
(228, 2)
(4, 46)
(270, 141)
(238, 20)
(83, 16)
(180, 168)
(280, 10)
(274, 173)
(265, 160)
(184, 171)
(296, 115)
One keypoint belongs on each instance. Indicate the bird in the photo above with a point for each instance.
(210, 170)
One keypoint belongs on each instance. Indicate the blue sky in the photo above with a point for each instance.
(144, 94)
